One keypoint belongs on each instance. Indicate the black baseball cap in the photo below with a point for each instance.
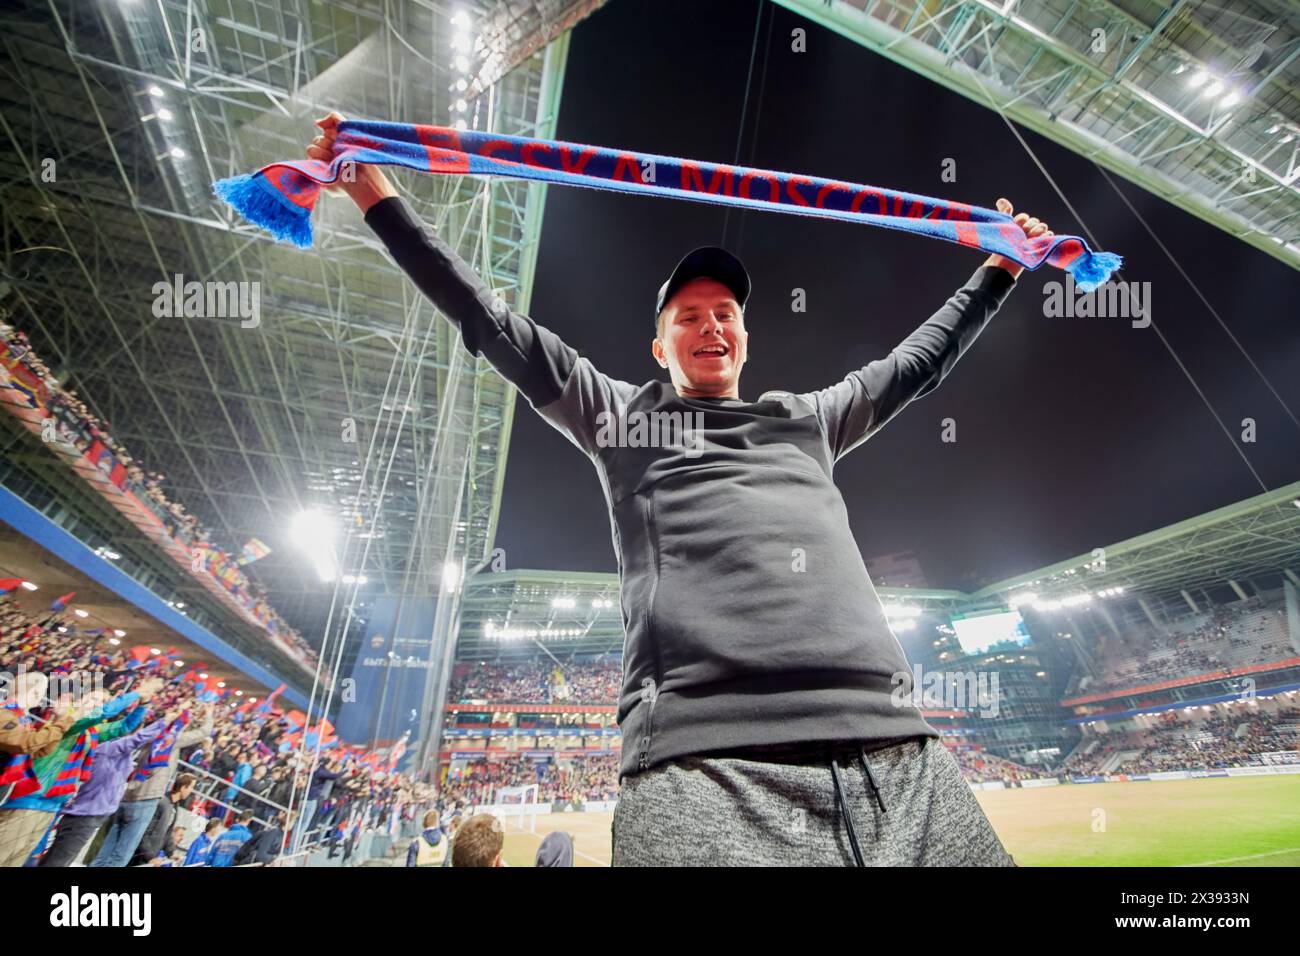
(706, 262)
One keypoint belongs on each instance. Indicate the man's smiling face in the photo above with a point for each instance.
(702, 340)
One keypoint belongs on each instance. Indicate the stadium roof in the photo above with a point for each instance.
(1197, 102)
(1258, 536)
(248, 423)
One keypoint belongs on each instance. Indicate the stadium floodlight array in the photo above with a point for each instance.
(491, 630)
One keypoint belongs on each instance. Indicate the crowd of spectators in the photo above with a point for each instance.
(980, 766)
(91, 749)
(539, 681)
(578, 778)
(1252, 631)
(24, 373)
(1220, 740)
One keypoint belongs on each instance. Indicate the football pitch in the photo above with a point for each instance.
(1219, 821)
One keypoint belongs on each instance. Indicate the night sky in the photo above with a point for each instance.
(1072, 433)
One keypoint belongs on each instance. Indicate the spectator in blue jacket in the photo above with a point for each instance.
(227, 845)
(200, 851)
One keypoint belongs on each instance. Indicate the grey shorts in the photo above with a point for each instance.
(785, 809)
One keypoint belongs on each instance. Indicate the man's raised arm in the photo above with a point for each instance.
(854, 409)
(565, 388)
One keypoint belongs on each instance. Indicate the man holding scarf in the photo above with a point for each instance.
(758, 714)
(49, 781)
(102, 794)
(149, 783)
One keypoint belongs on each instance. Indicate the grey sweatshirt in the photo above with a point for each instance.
(749, 615)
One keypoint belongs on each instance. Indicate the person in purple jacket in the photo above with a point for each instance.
(99, 797)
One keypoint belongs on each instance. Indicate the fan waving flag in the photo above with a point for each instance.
(280, 197)
(254, 550)
(62, 602)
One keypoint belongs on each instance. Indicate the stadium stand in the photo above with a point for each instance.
(537, 682)
(1253, 631)
(1196, 738)
(34, 397)
(248, 761)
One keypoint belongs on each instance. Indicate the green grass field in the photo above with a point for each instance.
(1222, 821)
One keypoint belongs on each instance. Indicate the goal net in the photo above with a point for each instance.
(516, 807)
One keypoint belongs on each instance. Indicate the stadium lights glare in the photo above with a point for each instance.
(239, 693)
(313, 533)
(176, 152)
(1232, 99)
(452, 575)
(462, 85)
(902, 610)
(62, 629)
(114, 641)
(1026, 597)
(154, 651)
(178, 663)
(156, 92)
(564, 603)
(80, 613)
(203, 676)
(32, 587)
(461, 124)
(902, 625)
(1073, 600)
(221, 683)
(460, 19)
(252, 700)
(461, 63)
(118, 632)
(1198, 79)
(1214, 89)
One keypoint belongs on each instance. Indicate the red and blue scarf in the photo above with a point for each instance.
(76, 768)
(18, 770)
(280, 197)
(160, 751)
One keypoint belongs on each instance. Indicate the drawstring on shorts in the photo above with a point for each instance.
(873, 789)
